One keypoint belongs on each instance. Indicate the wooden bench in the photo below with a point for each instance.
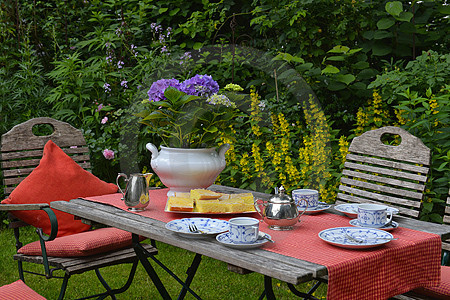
(21, 151)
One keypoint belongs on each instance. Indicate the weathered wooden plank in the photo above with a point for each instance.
(21, 136)
(411, 148)
(20, 163)
(382, 188)
(384, 180)
(17, 172)
(387, 172)
(33, 206)
(380, 197)
(350, 198)
(387, 163)
(38, 153)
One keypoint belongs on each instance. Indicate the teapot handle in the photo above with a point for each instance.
(223, 149)
(117, 183)
(297, 204)
(152, 148)
(258, 206)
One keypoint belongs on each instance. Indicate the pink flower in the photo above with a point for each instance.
(104, 120)
(108, 154)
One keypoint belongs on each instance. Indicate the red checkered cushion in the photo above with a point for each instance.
(18, 290)
(82, 244)
(57, 177)
(441, 291)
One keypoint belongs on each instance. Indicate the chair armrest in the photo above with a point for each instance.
(33, 206)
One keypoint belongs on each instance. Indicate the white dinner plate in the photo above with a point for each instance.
(224, 239)
(208, 226)
(351, 209)
(371, 237)
(392, 225)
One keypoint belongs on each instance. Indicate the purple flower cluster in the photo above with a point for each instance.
(199, 85)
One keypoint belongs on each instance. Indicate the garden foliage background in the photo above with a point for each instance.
(317, 72)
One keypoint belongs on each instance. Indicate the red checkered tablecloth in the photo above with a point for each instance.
(376, 273)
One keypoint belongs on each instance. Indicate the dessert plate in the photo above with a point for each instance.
(392, 225)
(351, 209)
(355, 237)
(224, 239)
(321, 207)
(207, 226)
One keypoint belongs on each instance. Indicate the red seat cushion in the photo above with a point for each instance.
(57, 177)
(18, 290)
(442, 291)
(82, 244)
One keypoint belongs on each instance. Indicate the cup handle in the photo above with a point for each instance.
(298, 218)
(390, 218)
(256, 229)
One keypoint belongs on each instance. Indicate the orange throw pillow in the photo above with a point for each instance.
(82, 244)
(57, 177)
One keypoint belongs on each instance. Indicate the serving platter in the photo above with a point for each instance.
(204, 213)
(351, 209)
(348, 237)
(206, 226)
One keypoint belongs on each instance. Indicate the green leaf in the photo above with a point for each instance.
(361, 65)
(405, 16)
(330, 70)
(197, 46)
(385, 23)
(380, 49)
(336, 58)
(347, 78)
(162, 10)
(394, 8)
(339, 49)
(382, 35)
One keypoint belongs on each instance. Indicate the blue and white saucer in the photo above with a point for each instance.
(321, 207)
(351, 209)
(355, 237)
(207, 226)
(224, 239)
(392, 225)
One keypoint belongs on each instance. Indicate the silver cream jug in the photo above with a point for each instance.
(279, 212)
(136, 192)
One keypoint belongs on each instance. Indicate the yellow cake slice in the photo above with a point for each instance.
(210, 206)
(180, 204)
(202, 194)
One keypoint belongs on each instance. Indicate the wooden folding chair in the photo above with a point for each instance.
(21, 151)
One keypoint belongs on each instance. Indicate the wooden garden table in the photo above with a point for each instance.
(272, 263)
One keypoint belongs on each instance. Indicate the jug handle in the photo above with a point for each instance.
(257, 206)
(297, 204)
(223, 149)
(117, 183)
(152, 148)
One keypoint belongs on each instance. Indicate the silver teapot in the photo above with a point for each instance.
(136, 192)
(280, 212)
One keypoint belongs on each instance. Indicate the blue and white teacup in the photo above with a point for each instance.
(304, 196)
(373, 215)
(243, 230)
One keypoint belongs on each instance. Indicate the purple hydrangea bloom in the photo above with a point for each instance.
(200, 85)
(156, 91)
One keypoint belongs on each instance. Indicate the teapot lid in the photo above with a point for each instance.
(280, 196)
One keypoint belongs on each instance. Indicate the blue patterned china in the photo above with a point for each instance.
(205, 226)
(388, 227)
(373, 215)
(321, 207)
(306, 198)
(355, 237)
(351, 209)
(243, 230)
(224, 239)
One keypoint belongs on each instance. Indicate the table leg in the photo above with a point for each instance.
(191, 273)
(268, 290)
(141, 253)
(308, 295)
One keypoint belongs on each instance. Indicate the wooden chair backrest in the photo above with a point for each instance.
(21, 150)
(378, 173)
(447, 210)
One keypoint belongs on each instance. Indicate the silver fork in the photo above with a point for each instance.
(193, 228)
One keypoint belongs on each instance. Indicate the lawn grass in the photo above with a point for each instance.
(212, 281)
